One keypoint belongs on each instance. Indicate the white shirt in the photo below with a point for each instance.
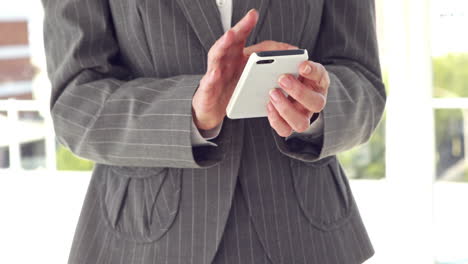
(200, 138)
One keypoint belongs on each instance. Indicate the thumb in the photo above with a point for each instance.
(268, 45)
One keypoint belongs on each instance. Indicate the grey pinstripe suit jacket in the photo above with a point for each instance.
(123, 74)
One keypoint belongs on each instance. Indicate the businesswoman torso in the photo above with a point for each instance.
(124, 73)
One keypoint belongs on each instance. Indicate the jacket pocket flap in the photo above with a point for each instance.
(141, 208)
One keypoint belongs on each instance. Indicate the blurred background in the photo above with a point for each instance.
(410, 180)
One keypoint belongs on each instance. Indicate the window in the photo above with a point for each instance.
(27, 140)
(450, 104)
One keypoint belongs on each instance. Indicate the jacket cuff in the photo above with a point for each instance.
(202, 137)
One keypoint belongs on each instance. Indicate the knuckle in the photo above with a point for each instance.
(280, 108)
(303, 109)
(305, 125)
(297, 91)
(314, 64)
(299, 128)
(322, 82)
(304, 64)
(320, 68)
(208, 92)
(287, 132)
(284, 132)
(283, 45)
(205, 82)
(278, 126)
(313, 68)
(327, 80)
(214, 55)
(273, 118)
(204, 105)
(316, 67)
(319, 104)
(281, 134)
(218, 72)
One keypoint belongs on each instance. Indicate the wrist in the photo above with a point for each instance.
(204, 125)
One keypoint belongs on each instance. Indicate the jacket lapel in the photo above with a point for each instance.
(241, 7)
(204, 17)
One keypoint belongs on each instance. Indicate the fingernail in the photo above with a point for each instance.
(293, 47)
(307, 69)
(321, 82)
(284, 81)
(250, 11)
(274, 95)
(256, 14)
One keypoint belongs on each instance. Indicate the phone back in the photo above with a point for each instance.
(260, 75)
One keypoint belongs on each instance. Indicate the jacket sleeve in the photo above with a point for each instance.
(100, 111)
(347, 47)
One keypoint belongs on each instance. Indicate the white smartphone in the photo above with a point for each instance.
(260, 75)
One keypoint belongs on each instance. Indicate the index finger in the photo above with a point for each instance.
(243, 28)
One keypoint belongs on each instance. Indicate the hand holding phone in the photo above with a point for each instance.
(217, 85)
(307, 97)
(260, 75)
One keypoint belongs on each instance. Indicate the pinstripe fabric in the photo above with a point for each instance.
(123, 74)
